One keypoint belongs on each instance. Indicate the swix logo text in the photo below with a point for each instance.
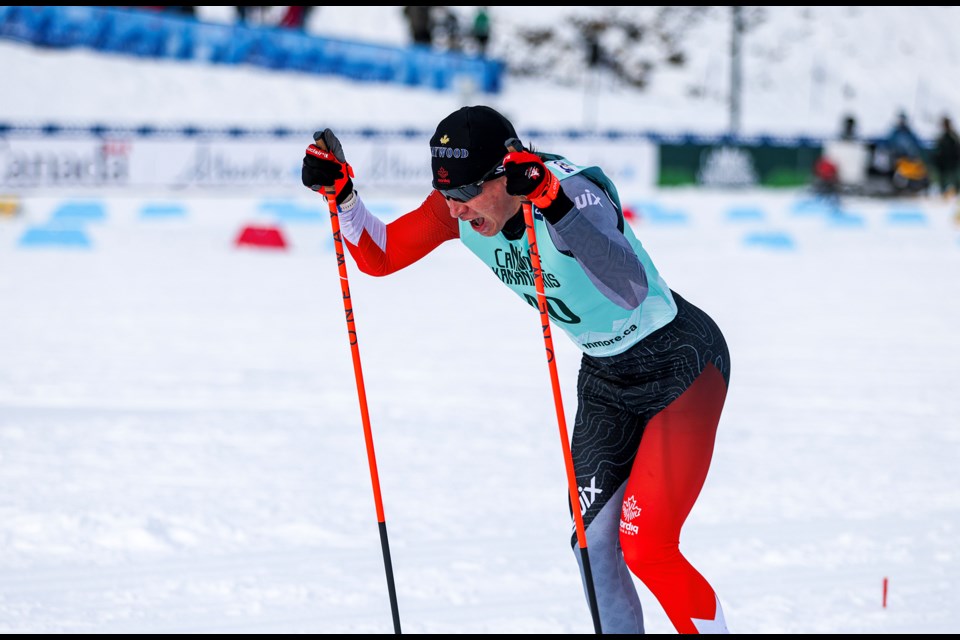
(586, 198)
(588, 495)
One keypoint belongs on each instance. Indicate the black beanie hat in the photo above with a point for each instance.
(468, 143)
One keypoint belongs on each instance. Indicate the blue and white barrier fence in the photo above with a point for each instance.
(151, 34)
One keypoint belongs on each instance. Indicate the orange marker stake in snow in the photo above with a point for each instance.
(885, 585)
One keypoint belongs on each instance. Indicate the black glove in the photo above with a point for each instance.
(527, 176)
(324, 165)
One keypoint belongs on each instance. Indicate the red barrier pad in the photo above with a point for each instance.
(261, 238)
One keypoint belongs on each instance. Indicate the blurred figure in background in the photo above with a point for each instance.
(849, 129)
(448, 25)
(826, 181)
(900, 160)
(946, 159)
(249, 14)
(420, 20)
(295, 17)
(843, 166)
(279, 16)
(480, 31)
(902, 142)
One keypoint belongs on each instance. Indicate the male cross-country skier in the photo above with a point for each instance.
(655, 368)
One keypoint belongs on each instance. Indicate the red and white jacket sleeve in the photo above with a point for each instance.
(380, 248)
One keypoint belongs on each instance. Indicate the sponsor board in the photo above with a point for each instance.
(182, 163)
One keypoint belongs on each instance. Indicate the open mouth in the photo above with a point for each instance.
(476, 223)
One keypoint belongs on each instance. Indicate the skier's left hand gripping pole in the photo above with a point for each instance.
(331, 196)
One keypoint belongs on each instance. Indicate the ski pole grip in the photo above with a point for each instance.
(318, 141)
(514, 144)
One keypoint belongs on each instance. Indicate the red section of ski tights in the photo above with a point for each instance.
(668, 474)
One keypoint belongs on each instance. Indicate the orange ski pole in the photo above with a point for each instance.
(558, 401)
(331, 196)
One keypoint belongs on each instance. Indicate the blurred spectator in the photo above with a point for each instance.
(826, 181)
(849, 130)
(849, 156)
(295, 18)
(902, 142)
(899, 144)
(910, 176)
(908, 157)
(248, 15)
(449, 27)
(420, 20)
(275, 16)
(480, 31)
(946, 159)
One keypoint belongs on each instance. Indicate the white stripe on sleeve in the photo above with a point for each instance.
(355, 218)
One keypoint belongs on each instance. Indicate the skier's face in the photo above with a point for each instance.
(488, 211)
